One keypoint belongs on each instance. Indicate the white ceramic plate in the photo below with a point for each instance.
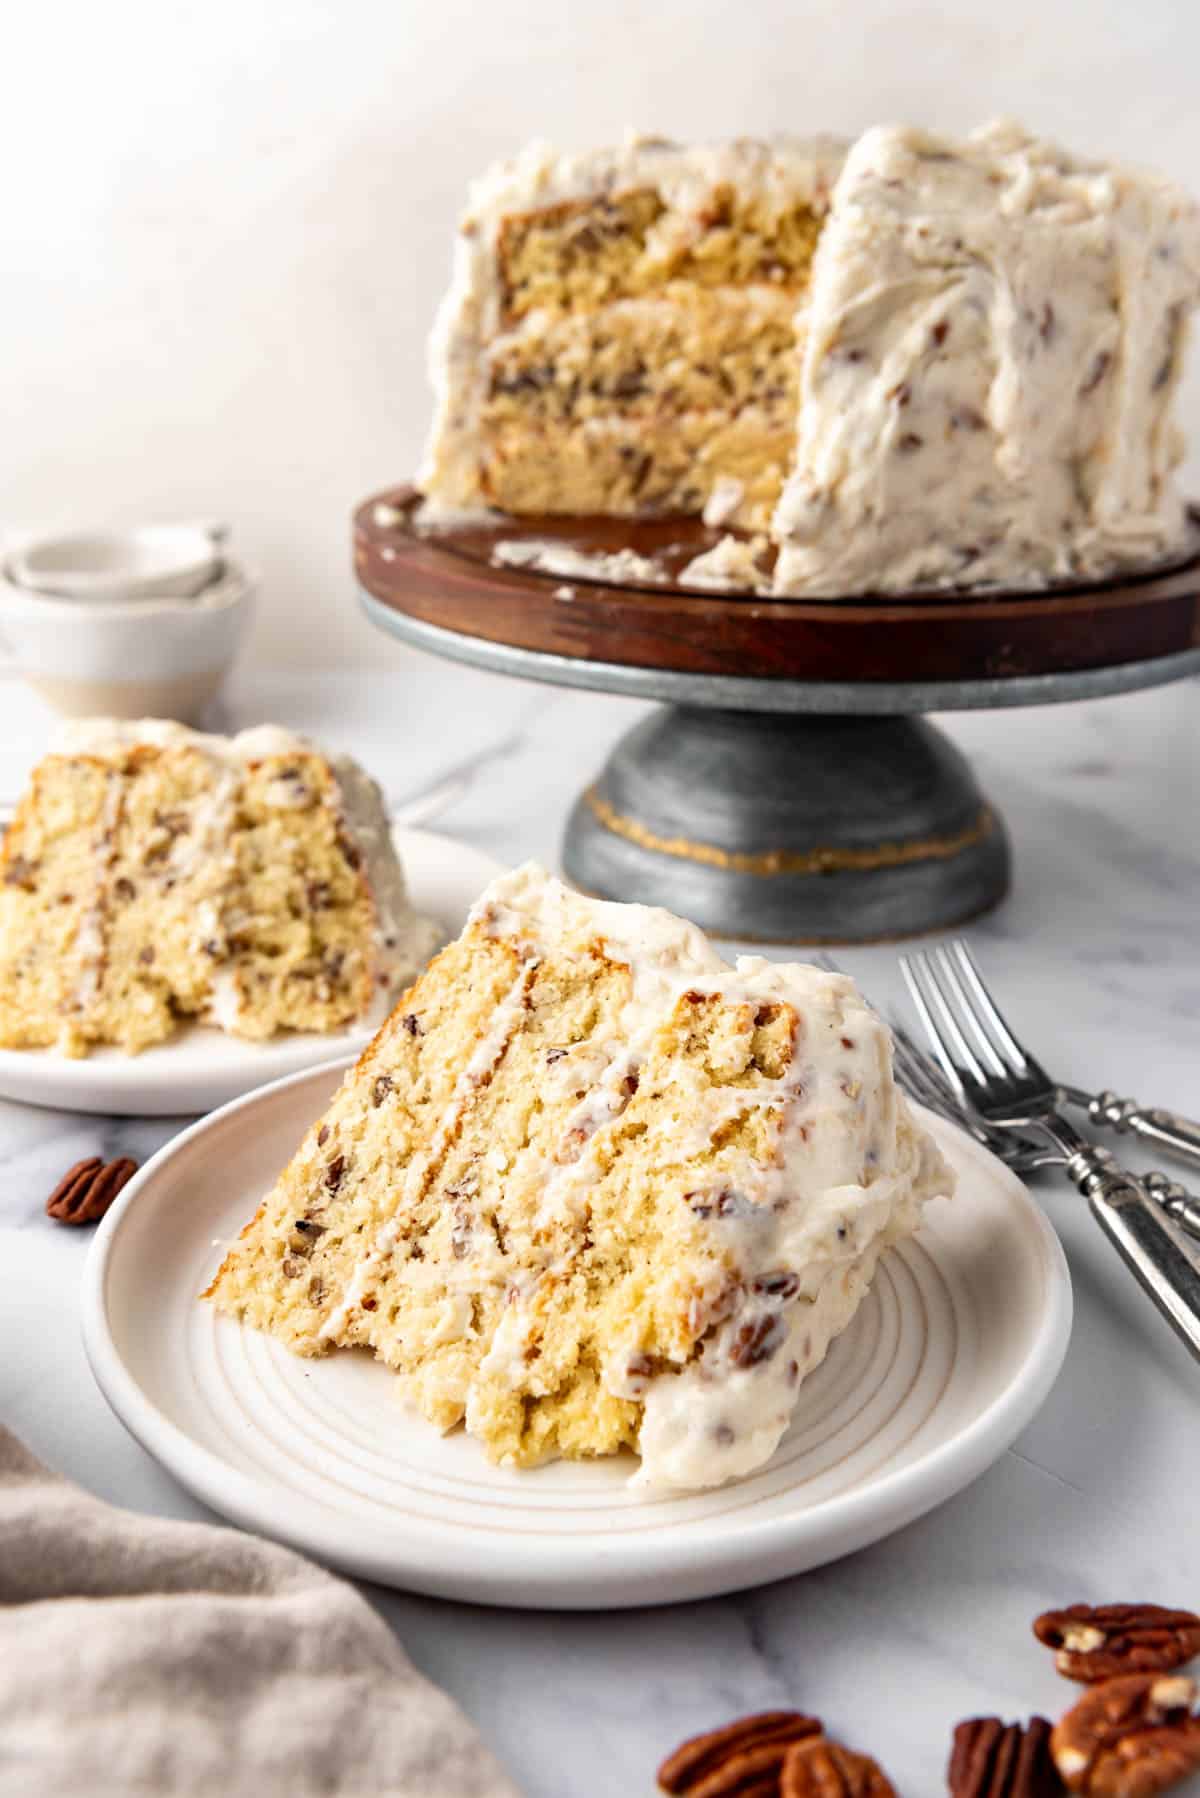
(951, 1354)
(202, 1067)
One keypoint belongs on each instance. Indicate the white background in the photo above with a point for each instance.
(227, 225)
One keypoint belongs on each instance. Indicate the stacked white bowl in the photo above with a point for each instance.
(126, 623)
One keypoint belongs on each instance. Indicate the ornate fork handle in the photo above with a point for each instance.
(1178, 1135)
(1176, 1201)
(1138, 1230)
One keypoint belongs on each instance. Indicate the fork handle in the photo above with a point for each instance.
(1142, 1236)
(1168, 1129)
(1178, 1203)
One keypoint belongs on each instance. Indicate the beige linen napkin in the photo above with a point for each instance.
(139, 1655)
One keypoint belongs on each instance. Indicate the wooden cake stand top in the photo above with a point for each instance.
(447, 582)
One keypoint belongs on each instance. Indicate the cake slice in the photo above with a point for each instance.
(592, 1188)
(153, 874)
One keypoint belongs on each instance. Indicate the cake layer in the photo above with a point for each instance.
(592, 1188)
(631, 466)
(584, 253)
(688, 349)
(248, 882)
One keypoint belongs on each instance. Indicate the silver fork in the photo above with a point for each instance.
(1006, 1087)
(924, 1081)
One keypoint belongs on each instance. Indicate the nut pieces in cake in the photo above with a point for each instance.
(1097, 1642)
(86, 1190)
(1130, 1737)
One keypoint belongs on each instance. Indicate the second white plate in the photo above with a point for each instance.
(952, 1352)
(201, 1067)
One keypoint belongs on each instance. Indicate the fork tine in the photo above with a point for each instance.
(921, 1083)
(959, 999)
(915, 1065)
(969, 969)
(946, 1039)
(822, 960)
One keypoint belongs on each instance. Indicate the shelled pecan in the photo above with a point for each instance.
(1095, 1642)
(743, 1758)
(822, 1769)
(991, 1759)
(1129, 1737)
(86, 1190)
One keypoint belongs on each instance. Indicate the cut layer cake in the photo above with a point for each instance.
(901, 361)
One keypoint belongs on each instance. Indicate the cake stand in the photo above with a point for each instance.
(788, 789)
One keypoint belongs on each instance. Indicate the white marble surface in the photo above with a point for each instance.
(1096, 954)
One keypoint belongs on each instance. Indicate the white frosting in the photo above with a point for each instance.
(989, 351)
(726, 496)
(112, 736)
(992, 343)
(549, 556)
(404, 941)
(225, 1001)
(732, 565)
(850, 1173)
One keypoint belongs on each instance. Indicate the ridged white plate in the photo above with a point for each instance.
(201, 1067)
(951, 1354)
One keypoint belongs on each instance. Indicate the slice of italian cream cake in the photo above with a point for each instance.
(153, 874)
(593, 1188)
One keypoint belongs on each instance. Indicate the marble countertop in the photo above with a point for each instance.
(1096, 955)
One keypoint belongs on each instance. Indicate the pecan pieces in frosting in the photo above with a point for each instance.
(1095, 1642)
(991, 1759)
(1129, 1737)
(742, 1760)
(819, 1768)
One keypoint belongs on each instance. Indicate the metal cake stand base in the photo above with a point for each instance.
(781, 829)
(787, 789)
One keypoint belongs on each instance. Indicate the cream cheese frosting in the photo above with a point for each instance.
(992, 342)
(551, 557)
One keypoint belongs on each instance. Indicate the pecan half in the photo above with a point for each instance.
(86, 1191)
(1095, 1642)
(990, 1759)
(743, 1758)
(823, 1769)
(1130, 1737)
